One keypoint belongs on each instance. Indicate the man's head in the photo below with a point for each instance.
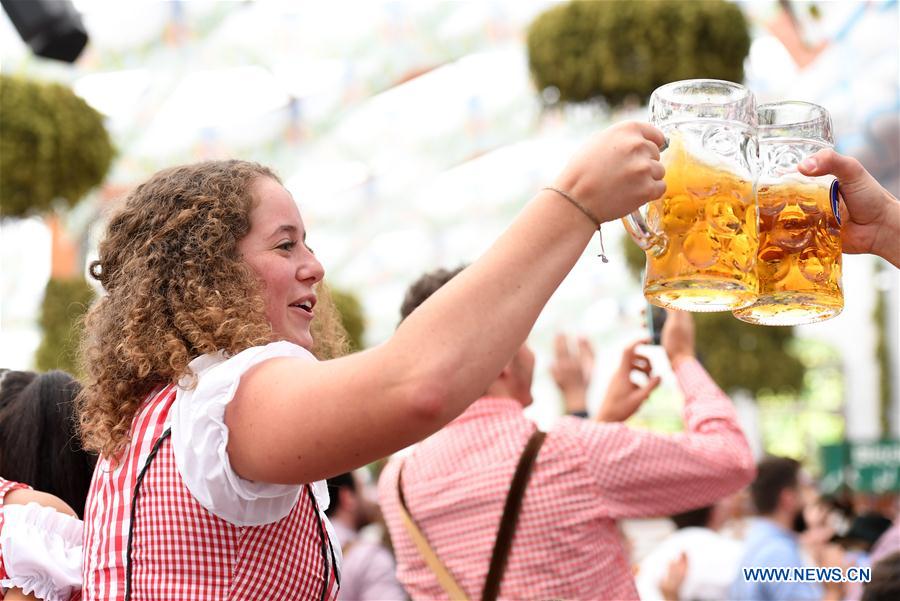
(778, 490)
(696, 518)
(515, 379)
(712, 517)
(346, 505)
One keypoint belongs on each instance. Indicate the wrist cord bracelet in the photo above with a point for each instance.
(587, 213)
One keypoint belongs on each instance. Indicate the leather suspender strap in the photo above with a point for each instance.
(443, 575)
(505, 532)
(511, 516)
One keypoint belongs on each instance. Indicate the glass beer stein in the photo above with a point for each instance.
(701, 235)
(799, 260)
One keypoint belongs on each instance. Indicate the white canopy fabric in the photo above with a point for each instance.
(409, 133)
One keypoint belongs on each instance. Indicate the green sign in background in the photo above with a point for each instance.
(872, 467)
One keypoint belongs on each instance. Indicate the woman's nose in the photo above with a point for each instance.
(311, 269)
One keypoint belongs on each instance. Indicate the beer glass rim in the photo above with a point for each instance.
(795, 118)
(696, 100)
(667, 88)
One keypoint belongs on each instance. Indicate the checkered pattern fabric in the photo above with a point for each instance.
(587, 476)
(5, 487)
(181, 550)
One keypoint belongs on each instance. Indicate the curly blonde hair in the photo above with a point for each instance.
(176, 288)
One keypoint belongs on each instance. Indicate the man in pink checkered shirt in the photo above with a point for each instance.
(587, 476)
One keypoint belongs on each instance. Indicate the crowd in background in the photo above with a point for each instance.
(197, 457)
(219, 407)
(779, 519)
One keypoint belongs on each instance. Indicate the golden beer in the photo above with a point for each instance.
(701, 236)
(799, 259)
(706, 259)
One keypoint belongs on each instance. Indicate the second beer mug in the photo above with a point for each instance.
(799, 262)
(701, 236)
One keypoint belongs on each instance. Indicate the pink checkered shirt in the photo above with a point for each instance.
(587, 476)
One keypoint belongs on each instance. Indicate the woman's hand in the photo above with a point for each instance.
(873, 214)
(617, 171)
(448, 351)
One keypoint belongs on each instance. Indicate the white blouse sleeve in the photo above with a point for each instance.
(200, 440)
(41, 550)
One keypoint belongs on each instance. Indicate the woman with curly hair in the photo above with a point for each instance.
(216, 393)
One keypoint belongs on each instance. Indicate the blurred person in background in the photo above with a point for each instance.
(39, 443)
(870, 538)
(738, 515)
(885, 582)
(44, 477)
(889, 542)
(572, 369)
(846, 59)
(368, 568)
(865, 530)
(785, 498)
(218, 393)
(586, 476)
(710, 560)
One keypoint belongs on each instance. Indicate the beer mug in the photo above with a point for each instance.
(701, 237)
(799, 260)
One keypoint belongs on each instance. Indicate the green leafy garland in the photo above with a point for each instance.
(65, 303)
(620, 50)
(53, 146)
(352, 317)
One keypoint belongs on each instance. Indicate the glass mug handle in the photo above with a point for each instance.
(645, 236)
(648, 238)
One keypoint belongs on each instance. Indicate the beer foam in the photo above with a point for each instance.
(778, 160)
(719, 145)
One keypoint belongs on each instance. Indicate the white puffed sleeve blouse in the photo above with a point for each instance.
(41, 550)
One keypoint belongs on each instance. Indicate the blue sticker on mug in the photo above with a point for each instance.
(835, 204)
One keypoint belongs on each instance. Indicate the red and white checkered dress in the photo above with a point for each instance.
(146, 537)
(5, 487)
(588, 475)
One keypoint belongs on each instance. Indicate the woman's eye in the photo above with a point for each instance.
(288, 246)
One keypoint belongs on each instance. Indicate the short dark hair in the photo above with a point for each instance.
(425, 286)
(335, 485)
(866, 529)
(698, 518)
(885, 583)
(39, 443)
(773, 475)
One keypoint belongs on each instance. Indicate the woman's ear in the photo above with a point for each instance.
(506, 372)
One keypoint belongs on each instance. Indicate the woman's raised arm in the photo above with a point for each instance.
(294, 421)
